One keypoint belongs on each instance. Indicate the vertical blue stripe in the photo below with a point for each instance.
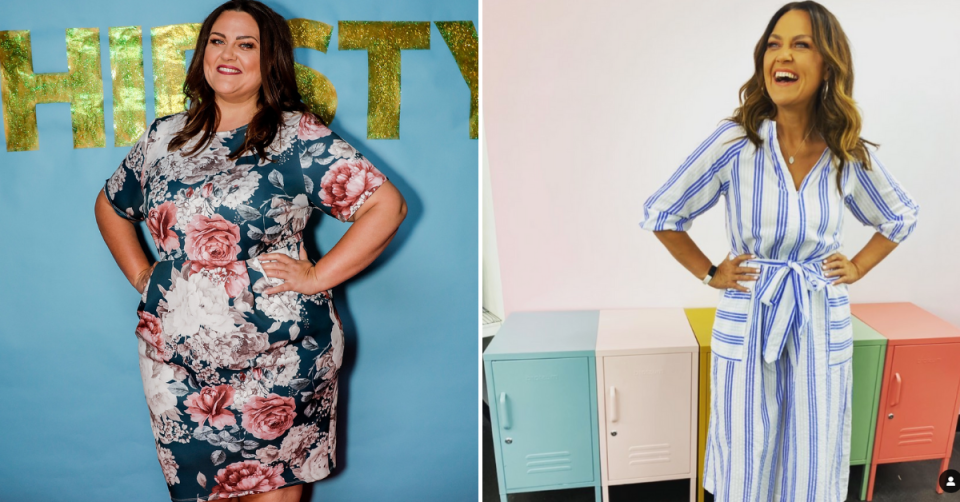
(780, 230)
(840, 428)
(728, 421)
(781, 431)
(790, 436)
(748, 446)
(715, 419)
(737, 204)
(757, 204)
(824, 211)
(814, 439)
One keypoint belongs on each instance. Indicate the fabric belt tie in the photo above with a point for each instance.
(786, 286)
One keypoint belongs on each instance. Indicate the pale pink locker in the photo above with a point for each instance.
(647, 384)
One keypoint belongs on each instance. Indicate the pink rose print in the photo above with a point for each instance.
(236, 277)
(151, 330)
(268, 418)
(211, 403)
(249, 476)
(159, 221)
(311, 128)
(212, 241)
(346, 182)
(206, 190)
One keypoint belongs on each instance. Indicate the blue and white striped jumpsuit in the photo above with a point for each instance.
(781, 374)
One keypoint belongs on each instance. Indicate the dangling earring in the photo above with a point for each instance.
(824, 92)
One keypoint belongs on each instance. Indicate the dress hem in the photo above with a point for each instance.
(292, 483)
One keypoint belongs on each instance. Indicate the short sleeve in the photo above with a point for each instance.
(876, 199)
(337, 177)
(124, 189)
(697, 184)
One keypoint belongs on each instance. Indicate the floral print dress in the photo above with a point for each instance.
(241, 385)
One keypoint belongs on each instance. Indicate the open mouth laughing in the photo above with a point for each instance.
(785, 77)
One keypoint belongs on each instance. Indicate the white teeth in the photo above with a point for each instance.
(785, 74)
(228, 70)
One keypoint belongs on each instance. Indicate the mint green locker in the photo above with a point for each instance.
(541, 376)
(544, 411)
(869, 351)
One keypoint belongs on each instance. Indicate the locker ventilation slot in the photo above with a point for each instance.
(649, 454)
(548, 462)
(916, 435)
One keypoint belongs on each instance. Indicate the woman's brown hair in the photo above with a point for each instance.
(836, 116)
(278, 87)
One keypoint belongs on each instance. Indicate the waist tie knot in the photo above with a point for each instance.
(786, 286)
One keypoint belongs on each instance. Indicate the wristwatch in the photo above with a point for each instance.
(709, 277)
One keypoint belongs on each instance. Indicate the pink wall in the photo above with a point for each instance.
(589, 108)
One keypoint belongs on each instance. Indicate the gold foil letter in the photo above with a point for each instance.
(169, 65)
(383, 42)
(315, 88)
(461, 38)
(129, 96)
(23, 90)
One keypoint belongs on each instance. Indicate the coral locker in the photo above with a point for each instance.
(920, 391)
(541, 381)
(647, 369)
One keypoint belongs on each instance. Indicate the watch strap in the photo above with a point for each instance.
(710, 274)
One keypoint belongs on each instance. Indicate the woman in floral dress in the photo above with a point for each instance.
(239, 341)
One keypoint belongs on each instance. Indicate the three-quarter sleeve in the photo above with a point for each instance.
(124, 189)
(876, 199)
(337, 177)
(696, 186)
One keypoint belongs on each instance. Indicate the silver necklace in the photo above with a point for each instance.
(801, 145)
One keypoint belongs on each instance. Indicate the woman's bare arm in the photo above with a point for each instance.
(844, 271)
(120, 235)
(873, 253)
(729, 272)
(375, 224)
(685, 251)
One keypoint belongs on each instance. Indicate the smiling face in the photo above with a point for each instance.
(231, 61)
(793, 69)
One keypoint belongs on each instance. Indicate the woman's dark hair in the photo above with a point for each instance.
(836, 116)
(278, 87)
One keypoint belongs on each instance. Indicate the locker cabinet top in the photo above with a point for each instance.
(905, 322)
(644, 331)
(545, 334)
(701, 321)
(865, 335)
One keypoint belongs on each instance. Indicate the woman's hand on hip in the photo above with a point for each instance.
(298, 275)
(730, 273)
(843, 270)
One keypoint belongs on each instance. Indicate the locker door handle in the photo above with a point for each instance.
(895, 390)
(504, 416)
(613, 410)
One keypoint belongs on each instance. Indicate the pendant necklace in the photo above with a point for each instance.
(801, 145)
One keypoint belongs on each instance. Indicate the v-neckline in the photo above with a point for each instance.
(785, 170)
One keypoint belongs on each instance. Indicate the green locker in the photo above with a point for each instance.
(869, 351)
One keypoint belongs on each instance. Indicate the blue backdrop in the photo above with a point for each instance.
(74, 421)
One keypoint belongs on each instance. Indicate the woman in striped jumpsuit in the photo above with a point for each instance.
(787, 163)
